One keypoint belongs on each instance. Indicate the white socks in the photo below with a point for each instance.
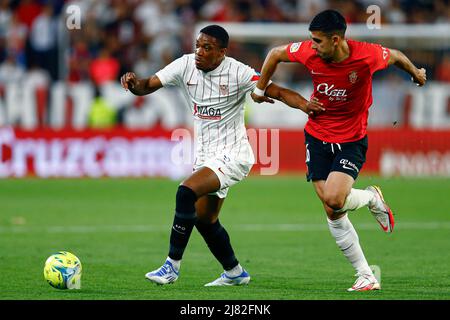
(175, 263)
(348, 241)
(236, 271)
(356, 199)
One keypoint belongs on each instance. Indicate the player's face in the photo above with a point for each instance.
(324, 45)
(208, 53)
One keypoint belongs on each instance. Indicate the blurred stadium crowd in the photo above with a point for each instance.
(65, 77)
(144, 35)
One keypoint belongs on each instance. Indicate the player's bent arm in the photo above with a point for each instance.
(294, 99)
(140, 87)
(146, 86)
(275, 56)
(401, 61)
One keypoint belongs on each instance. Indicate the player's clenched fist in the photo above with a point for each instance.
(128, 80)
(420, 77)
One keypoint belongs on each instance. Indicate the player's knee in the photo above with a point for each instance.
(206, 223)
(185, 200)
(207, 217)
(334, 200)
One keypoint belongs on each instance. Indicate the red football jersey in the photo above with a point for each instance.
(344, 88)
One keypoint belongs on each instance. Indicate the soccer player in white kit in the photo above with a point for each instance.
(215, 86)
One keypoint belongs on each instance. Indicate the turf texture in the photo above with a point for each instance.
(119, 228)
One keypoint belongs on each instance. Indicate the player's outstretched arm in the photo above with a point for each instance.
(294, 99)
(400, 60)
(140, 87)
(275, 56)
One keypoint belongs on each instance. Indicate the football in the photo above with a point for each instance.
(62, 270)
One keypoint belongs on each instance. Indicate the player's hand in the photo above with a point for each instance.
(420, 77)
(128, 80)
(260, 99)
(314, 107)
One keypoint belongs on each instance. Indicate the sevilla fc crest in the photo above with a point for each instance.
(352, 77)
(223, 89)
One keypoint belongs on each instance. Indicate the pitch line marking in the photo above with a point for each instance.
(306, 227)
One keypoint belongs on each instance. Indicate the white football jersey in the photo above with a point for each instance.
(216, 99)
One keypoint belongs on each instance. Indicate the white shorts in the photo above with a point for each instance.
(230, 170)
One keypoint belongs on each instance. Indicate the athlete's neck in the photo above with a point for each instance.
(342, 52)
(214, 66)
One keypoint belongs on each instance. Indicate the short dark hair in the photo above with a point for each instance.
(329, 22)
(217, 32)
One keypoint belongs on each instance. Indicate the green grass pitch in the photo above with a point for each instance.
(119, 228)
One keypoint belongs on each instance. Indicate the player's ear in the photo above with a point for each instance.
(223, 51)
(335, 38)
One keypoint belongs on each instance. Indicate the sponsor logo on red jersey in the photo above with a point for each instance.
(332, 92)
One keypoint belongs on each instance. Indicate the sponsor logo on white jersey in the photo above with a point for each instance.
(207, 113)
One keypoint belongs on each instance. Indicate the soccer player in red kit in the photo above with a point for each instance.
(336, 139)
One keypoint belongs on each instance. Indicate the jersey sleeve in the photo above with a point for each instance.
(248, 78)
(172, 74)
(378, 57)
(298, 51)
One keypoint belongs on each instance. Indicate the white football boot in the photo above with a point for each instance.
(224, 280)
(365, 282)
(380, 210)
(164, 275)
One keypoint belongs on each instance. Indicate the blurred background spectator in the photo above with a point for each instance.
(101, 114)
(43, 35)
(145, 35)
(61, 63)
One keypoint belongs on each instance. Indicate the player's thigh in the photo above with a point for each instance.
(208, 208)
(202, 181)
(336, 189)
(319, 187)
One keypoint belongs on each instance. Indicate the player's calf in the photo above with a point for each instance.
(183, 222)
(218, 241)
(356, 199)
